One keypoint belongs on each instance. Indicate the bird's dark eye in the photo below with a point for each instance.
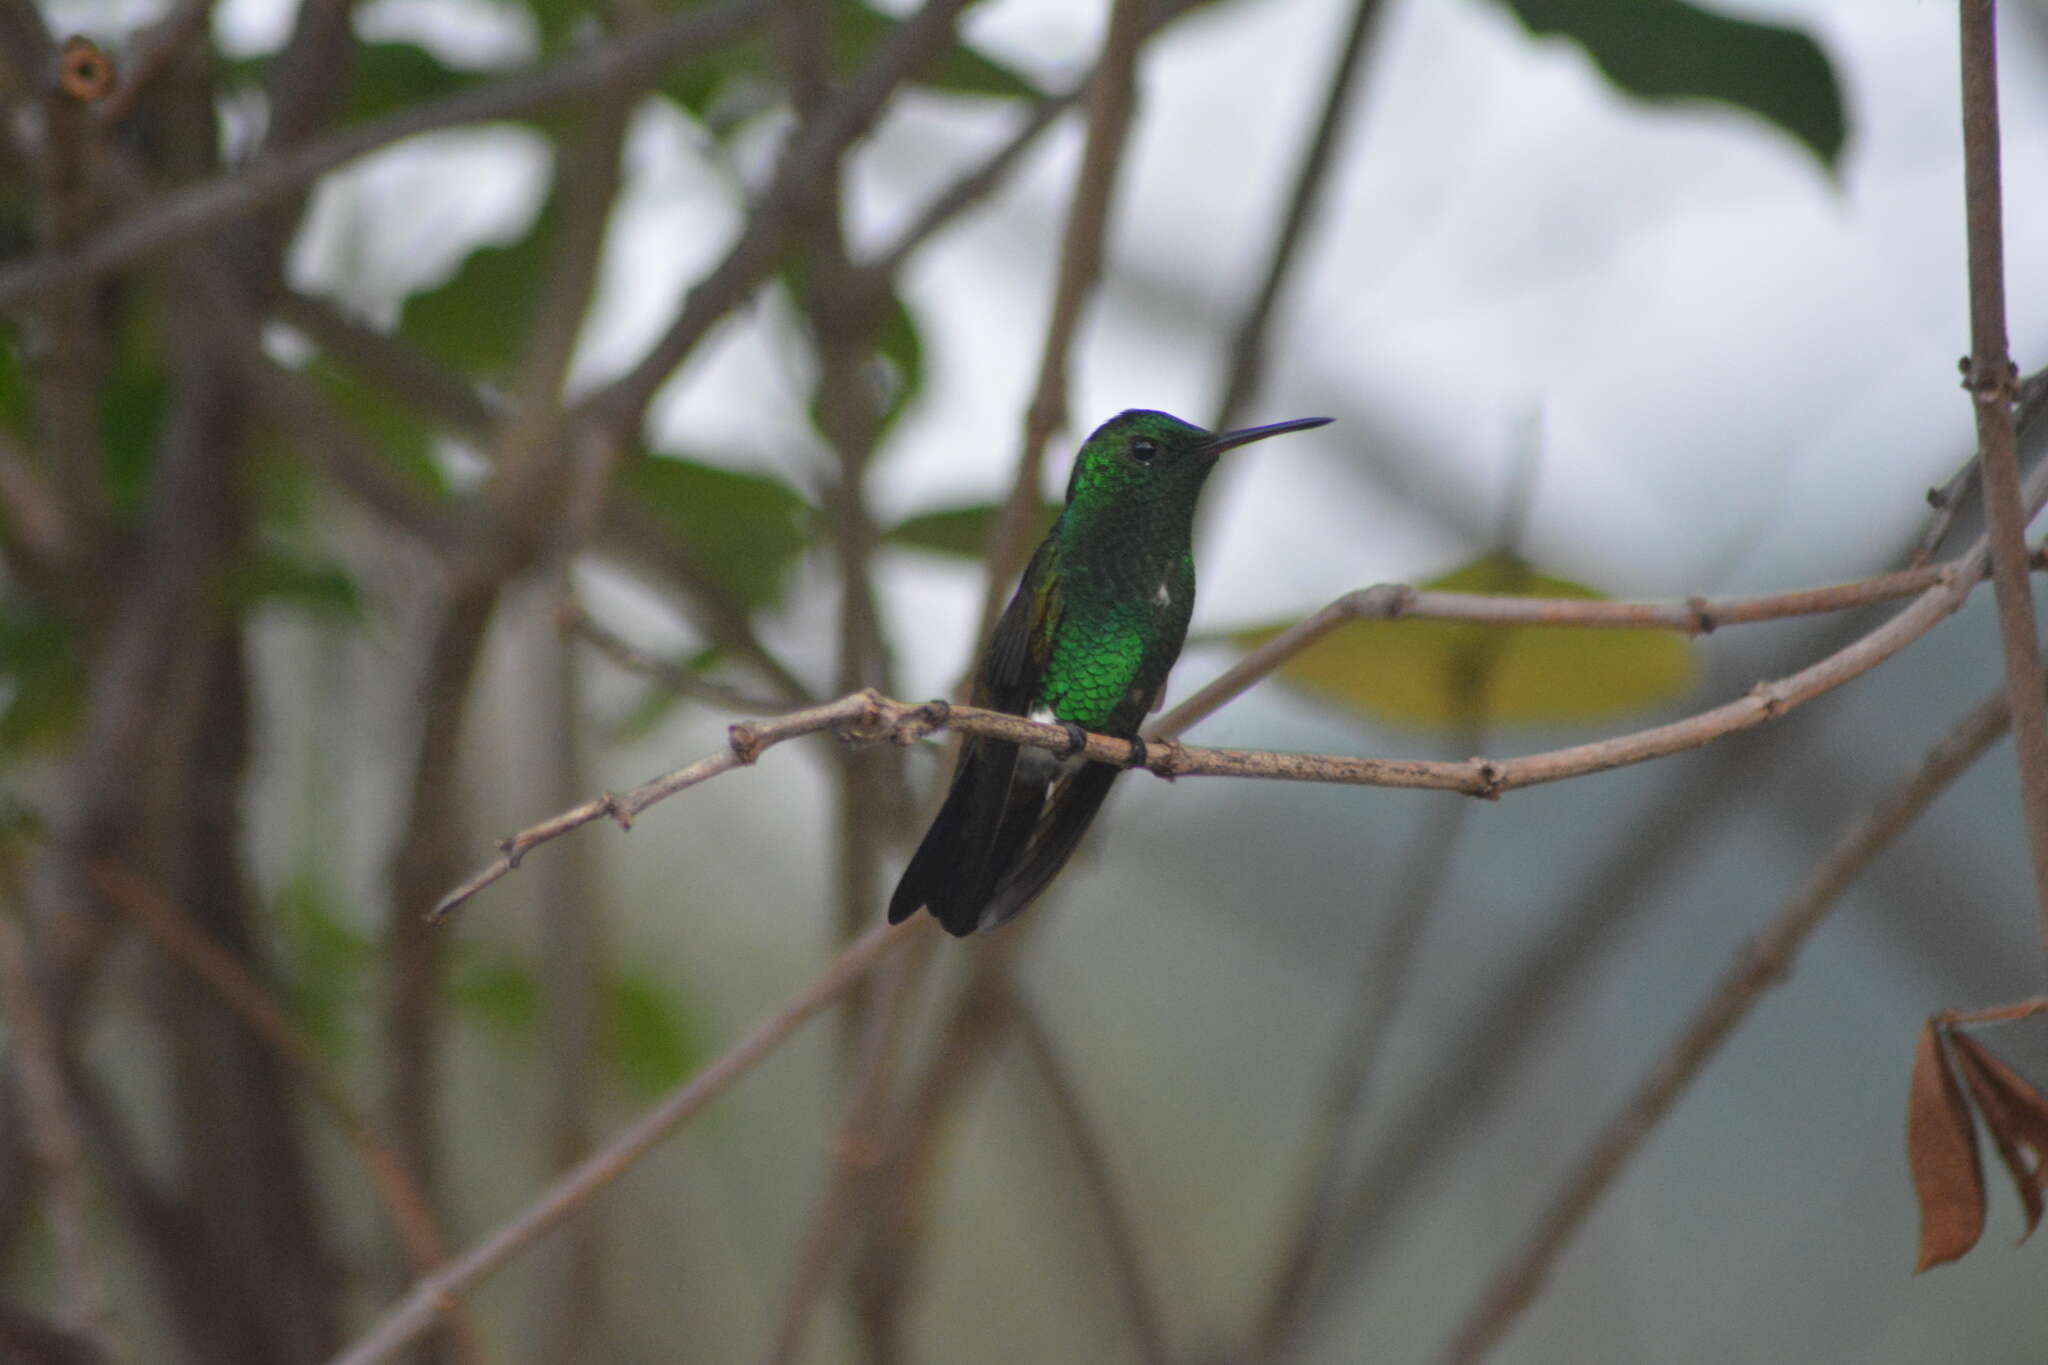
(1143, 449)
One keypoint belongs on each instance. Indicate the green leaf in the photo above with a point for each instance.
(962, 532)
(327, 962)
(476, 322)
(392, 76)
(1667, 49)
(394, 430)
(134, 398)
(502, 992)
(13, 384)
(1446, 674)
(900, 347)
(649, 1039)
(857, 29)
(659, 700)
(42, 680)
(751, 68)
(558, 20)
(744, 529)
(273, 574)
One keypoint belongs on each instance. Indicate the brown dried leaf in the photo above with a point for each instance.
(2027, 1106)
(1941, 1146)
(2008, 1130)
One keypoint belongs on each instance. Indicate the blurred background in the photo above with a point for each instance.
(417, 416)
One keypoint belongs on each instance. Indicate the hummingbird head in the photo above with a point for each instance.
(1142, 455)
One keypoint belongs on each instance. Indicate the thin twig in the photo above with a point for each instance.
(856, 1153)
(1111, 97)
(1503, 1037)
(1398, 602)
(568, 1304)
(167, 38)
(392, 362)
(54, 1138)
(1756, 969)
(1063, 1096)
(435, 1294)
(811, 154)
(412, 1218)
(869, 715)
(1991, 378)
(1997, 1014)
(1950, 500)
(975, 185)
(575, 620)
(1248, 344)
(633, 536)
(622, 64)
(1379, 991)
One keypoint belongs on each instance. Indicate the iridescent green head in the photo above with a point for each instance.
(1143, 456)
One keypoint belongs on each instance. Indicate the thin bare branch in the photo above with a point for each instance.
(856, 1152)
(1991, 379)
(433, 1295)
(636, 539)
(1960, 493)
(419, 1232)
(811, 154)
(391, 362)
(1756, 969)
(568, 1304)
(1997, 1014)
(1063, 1096)
(1112, 94)
(869, 715)
(167, 38)
(1399, 602)
(975, 185)
(621, 64)
(31, 518)
(1248, 344)
(579, 622)
(54, 1138)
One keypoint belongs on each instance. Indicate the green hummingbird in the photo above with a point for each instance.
(1086, 642)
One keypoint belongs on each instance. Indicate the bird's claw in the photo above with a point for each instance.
(1077, 739)
(1139, 758)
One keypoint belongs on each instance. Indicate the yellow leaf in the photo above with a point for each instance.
(1433, 674)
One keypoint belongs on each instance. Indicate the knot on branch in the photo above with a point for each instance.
(1702, 615)
(1491, 781)
(1991, 382)
(1164, 758)
(513, 849)
(875, 717)
(921, 721)
(1385, 601)
(745, 742)
(1771, 697)
(83, 71)
(617, 810)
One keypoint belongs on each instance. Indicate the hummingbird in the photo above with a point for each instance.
(1087, 641)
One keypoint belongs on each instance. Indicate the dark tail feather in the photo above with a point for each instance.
(987, 815)
(1072, 810)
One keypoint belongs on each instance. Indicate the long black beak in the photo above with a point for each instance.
(1246, 435)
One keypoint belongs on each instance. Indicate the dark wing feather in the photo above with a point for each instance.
(1072, 809)
(996, 798)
